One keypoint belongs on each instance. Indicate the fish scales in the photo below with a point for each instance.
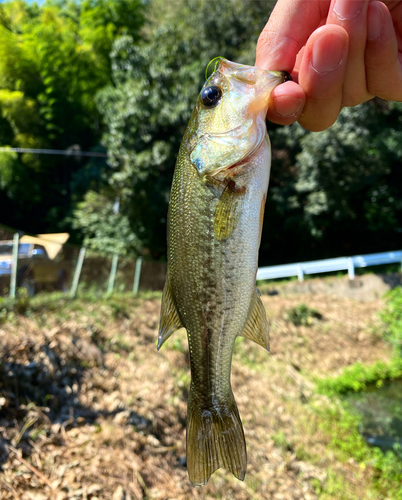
(214, 227)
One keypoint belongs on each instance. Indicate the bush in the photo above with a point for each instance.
(20, 304)
(357, 377)
(302, 315)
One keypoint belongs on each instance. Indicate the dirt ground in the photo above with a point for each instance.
(90, 410)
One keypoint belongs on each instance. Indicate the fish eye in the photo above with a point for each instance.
(287, 77)
(210, 96)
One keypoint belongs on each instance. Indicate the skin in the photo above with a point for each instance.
(339, 52)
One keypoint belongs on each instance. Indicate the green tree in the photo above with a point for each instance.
(104, 230)
(337, 192)
(350, 177)
(155, 85)
(53, 59)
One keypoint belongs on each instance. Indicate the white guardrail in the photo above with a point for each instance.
(328, 265)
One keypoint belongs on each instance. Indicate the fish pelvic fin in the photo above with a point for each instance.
(215, 439)
(257, 326)
(170, 321)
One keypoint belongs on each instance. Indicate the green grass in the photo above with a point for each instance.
(120, 303)
(392, 319)
(358, 377)
(333, 419)
(341, 424)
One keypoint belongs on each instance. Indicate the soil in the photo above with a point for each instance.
(90, 410)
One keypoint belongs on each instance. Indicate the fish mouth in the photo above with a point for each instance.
(266, 79)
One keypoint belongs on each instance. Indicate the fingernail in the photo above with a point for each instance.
(347, 9)
(375, 22)
(287, 105)
(328, 51)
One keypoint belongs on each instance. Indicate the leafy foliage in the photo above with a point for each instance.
(53, 59)
(127, 72)
(155, 88)
(104, 230)
(357, 377)
(337, 192)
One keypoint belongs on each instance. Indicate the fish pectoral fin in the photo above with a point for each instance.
(170, 321)
(228, 210)
(257, 326)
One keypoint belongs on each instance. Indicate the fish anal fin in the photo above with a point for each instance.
(215, 439)
(170, 321)
(257, 326)
(228, 210)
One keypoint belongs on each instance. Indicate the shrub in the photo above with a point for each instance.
(302, 315)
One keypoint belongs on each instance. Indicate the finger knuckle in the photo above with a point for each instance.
(264, 40)
(351, 100)
(385, 90)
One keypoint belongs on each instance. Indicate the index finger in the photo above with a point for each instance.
(287, 31)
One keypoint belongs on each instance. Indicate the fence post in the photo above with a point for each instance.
(351, 269)
(13, 279)
(300, 273)
(137, 275)
(77, 273)
(112, 276)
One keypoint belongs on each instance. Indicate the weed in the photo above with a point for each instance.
(117, 344)
(392, 319)
(341, 425)
(177, 345)
(335, 486)
(302, 315)
(280, 440)
(3, 314)
(358, 377)
(119, 310)
(19, 305)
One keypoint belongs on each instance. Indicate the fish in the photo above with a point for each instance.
(215, 216)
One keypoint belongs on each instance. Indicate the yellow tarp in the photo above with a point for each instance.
(53, 243)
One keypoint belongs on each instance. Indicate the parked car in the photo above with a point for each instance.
(37, 266)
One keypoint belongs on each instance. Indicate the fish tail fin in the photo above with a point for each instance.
(215, 439)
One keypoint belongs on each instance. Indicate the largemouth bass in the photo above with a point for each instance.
(214, 226)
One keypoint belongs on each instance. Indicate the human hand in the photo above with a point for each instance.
(339, 52)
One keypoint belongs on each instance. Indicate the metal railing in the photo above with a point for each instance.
(329, 265)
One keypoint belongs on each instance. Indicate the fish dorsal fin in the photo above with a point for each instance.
(170, 321)
(257, 327)
(228, 210)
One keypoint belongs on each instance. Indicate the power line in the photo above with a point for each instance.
(66, 152)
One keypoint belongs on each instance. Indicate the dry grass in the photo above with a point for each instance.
(90, 410)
